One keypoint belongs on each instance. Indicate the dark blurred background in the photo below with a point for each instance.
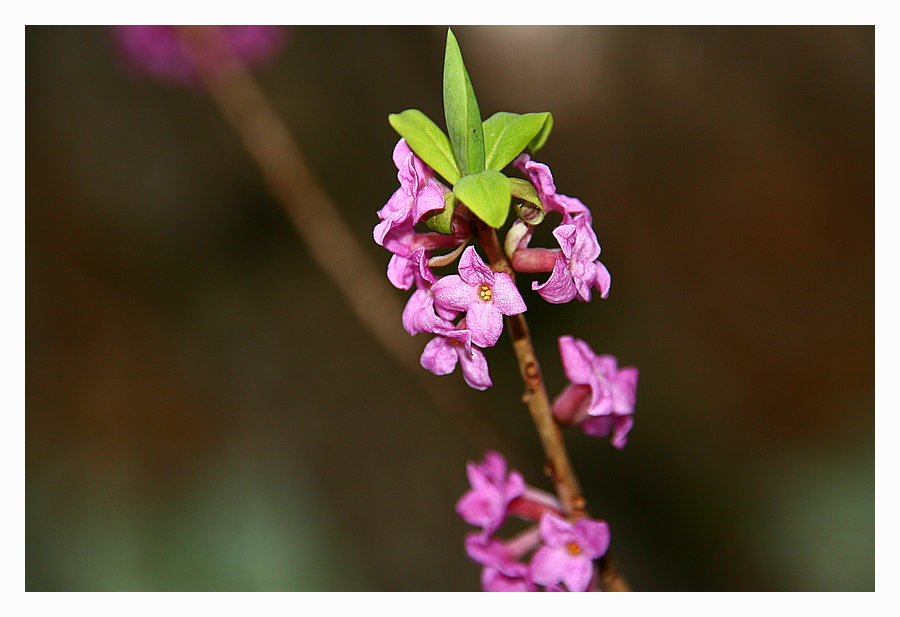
(204, 412)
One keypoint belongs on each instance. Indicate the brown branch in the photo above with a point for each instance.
(558, 467)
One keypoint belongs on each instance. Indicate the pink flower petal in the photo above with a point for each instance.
(493, 579)
(593, 537)
(555, 530)
(439, 356)
(577, 574)
(577, 367)
(559, 288)
(548, 564)
(454, 293)
(565, 235)
(419, 316)
(401, 272)
(505, 295)
(472, 268)
(486, 323)
(602, 280)
(429, 197)
(401, 151)
(602, 426)
(475, 368)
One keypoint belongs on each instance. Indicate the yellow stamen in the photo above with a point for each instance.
(573, 548)
(485, 293)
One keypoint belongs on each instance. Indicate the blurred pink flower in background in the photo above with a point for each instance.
(159, 51)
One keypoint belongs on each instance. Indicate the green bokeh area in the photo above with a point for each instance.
(204, 412)
(243, 527)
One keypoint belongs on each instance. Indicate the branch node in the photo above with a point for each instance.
(549, 470)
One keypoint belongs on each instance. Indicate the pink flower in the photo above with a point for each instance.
(600, 396)
(420, 314)
(485, 504)
(576, 269)
(483, 294)
(602, 426)
(419, 193)
(443, 352)
(158, 51)
(502, 571)
(539, 175)
(568, 551)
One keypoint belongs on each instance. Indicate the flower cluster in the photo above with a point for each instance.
(555, 554)
(464, 314)
(478, 294)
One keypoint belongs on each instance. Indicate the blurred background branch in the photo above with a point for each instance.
(319, 223)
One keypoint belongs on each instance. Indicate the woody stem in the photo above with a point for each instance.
(558, 467)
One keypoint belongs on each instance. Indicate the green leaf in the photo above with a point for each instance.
(541, 138)
(507, 134)
(461, 111)
(428, 141)
(487, 196)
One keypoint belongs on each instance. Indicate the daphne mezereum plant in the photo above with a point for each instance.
(464, 314)
(566, 549)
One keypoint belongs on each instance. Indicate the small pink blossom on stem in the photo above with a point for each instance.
(568, 551)
(539, 175)
(600, 397)
(485, 296)
(576, 269)
(420, 313)
(485, 504)
(442, 353)
(502, 570)
(574, 266)
(419, 193)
